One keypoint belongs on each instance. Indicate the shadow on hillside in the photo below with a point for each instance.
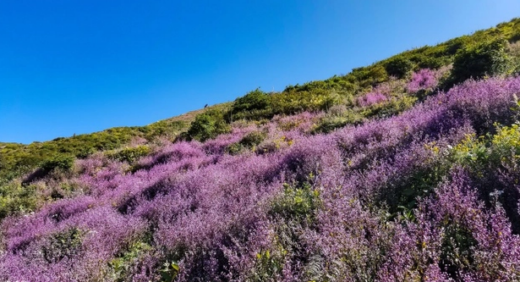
(36, 175)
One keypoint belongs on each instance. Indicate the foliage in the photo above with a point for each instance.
(208, 125)
(332, 122)
(250, 141)
(398, 67)
(476, 62)
(514, 37)
(255, 104)
(62, 162)
(297, 202)
(18, 159)
(122, 265)
(369, 202)
(129, 155)
(16, 199)
(62, 245)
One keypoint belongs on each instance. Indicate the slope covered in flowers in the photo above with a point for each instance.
(427, 195)
(406, 170)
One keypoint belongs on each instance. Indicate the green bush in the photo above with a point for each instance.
(514, 37)
(399, 67)
(378, 74)
(476, 62)
(252, 139)
(19, 159)
(457, 248)
(131, 256)
(293, 102)
(63, 245)
(331, 123)
(297, 202)
(249, 141)
(454, 45)
(129, 155)
(393, 107)
(516, 71)
(15, 198)
(62, 162)
(255, 104)
(429, 62)
(208, 125)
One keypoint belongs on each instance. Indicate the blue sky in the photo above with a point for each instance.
(71, 67)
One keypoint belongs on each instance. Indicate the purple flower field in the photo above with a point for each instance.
(431, 194)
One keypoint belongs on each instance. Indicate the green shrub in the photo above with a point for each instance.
(393, 107)
(479, 61)
(429, 62)
(516, 71)
(514, 37)
(129, 155)
(208, 125)
(267, 265)
(454, 45)
(234, 149)
(253, 139)
(297, 202)
(255, 104)
(377, 74)
(15, 198)
(63, 245)
(457, 249)
(293, 102)
(62, 162)
(331, 123)
(250, 141)
(399, 67)
(123, 263)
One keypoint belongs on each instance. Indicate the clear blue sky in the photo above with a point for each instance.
(70, 67)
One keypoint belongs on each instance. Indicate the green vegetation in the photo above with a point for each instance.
(62, 162)
(250, 141)
(208, 125)
(63, 245)
(297, 202)
(121, 265)
(19, 159)
(255, 104)
(399, 67)
(500, 149)
(478, 61)
(15, 198)
(129, 155)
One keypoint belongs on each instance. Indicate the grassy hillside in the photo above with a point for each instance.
(405, 170)
(313, 96)
(18, 159)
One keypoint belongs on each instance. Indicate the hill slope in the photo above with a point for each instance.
(406, 170)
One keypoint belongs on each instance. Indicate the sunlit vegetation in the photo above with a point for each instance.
(405, 170)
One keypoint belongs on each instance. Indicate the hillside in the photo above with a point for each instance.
(405, 170)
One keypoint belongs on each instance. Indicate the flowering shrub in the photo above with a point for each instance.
(372, 98)
(424, 79)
